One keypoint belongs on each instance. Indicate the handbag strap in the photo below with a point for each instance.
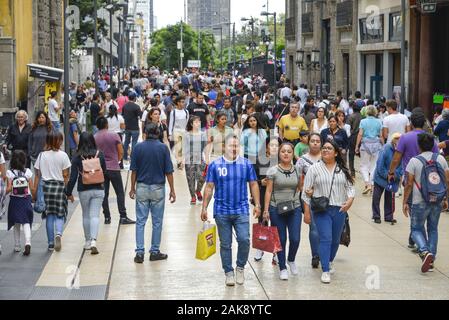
(332, 184)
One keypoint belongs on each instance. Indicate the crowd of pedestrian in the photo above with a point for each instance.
(227, 131)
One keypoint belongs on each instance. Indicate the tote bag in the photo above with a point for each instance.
(206, 245)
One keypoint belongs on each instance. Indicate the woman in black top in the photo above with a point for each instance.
(19, 134)
(91, 195)
(42, 126)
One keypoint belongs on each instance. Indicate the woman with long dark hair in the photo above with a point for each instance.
(53, 168)
(41, 128)
(217, 136)
(91, 195)
(154, 116)
(116, 123)
(331, 179)
(253, 139)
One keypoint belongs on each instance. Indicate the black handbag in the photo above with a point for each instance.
(321, 204)
(287, 207)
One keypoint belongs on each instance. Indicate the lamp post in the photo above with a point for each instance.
(66, 79)
(316, 63)
(403, 53)
(251, 23)
(96, 47)
(274, 14)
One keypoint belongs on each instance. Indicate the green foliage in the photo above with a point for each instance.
(86, 30)
(165, 54)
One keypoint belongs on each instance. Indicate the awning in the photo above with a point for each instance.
(45, 73)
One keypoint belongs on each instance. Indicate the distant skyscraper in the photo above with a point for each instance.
(207, 14)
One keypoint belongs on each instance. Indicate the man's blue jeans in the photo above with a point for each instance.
(330, 225)
(240, 223)
(292, 222)
(56, 126)
(53, 221)
(422, 213)
(149, 198)
(130, 134)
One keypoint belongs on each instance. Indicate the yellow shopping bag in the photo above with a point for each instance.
(206, 245)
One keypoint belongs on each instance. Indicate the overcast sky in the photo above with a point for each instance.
(171, 11)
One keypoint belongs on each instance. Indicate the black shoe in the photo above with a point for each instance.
(393, 222)
(51, 247)
(315, 262)
(158, 256)
(107, 220)
(139, 258)
(126, 221)
(377, 220)
(27, 250)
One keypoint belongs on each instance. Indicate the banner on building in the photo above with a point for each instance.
(284, 67)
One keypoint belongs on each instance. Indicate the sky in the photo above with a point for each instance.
(171, 11)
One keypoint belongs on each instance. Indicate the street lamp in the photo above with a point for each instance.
(112, 8)
(318, 65)
(274, 14)
(252, 46)
(300, 58)
(221, 45)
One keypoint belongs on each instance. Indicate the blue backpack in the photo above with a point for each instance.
(433, 180)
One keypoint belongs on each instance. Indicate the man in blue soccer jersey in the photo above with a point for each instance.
(229, 176)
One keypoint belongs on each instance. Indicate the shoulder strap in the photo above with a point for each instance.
(333, 178)
(307, 160)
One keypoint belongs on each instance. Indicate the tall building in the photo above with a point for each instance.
(208, 14)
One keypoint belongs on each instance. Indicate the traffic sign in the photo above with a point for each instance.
(194, 64)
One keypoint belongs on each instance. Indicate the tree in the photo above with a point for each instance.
(86, 31)
(165, 53)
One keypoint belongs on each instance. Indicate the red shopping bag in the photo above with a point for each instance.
(266, 238)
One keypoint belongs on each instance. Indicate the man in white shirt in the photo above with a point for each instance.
(302, 94)
(53, 111)
(286, 91)
(395, 122)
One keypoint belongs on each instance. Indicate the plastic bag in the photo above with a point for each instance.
(345, 239)
(206, 245)
(266, 238)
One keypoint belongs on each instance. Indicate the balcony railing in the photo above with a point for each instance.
(290, 28)
(307, 22)
(345, 13)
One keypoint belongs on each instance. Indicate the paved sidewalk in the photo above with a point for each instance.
(377, 265)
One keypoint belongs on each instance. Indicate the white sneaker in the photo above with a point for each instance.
(293, 268)
(326, 278)
(240, 277)
(93, 247)
(283, 275)
(230, 281)
(87, 245)
(331, 268)
(259, 255)
(18, 248)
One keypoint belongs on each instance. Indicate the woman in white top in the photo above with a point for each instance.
(341, 120)
(116, 123)
(53, 167)
(320, 123)
(329, 179)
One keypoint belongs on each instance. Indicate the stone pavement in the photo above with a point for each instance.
(377, 265)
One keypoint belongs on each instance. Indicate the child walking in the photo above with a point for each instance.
(20, 210)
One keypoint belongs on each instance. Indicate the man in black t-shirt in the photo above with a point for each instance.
(199, 109)
(132, 114)
(95, 112)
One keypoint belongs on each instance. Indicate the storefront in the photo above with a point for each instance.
(429, 51)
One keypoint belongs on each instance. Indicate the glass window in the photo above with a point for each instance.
(395, 26)
(372, 29)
